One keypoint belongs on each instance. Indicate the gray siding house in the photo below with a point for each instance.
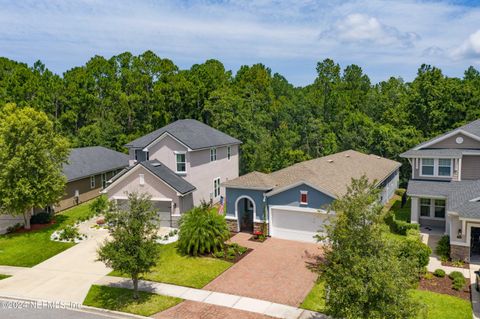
(445, 187)
(293, 201)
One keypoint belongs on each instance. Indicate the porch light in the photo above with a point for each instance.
(459, 235)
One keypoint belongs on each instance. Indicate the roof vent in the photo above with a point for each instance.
(347, 155)
(330, 161)
(378, 157)
(156, 164)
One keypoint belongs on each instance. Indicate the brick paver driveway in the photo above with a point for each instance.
(276, 270)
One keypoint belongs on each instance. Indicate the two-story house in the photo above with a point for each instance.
(445, 187)
(179, 165)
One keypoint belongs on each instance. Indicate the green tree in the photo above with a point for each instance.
(132, 248)
(364, 277)
(31, 159)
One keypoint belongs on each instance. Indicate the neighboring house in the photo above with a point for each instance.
(293, 200)
(179, 165)
(445, 187)
(87, 171)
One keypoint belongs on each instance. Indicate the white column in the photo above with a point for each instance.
(414, 210)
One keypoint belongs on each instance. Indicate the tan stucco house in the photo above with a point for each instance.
(179, 165)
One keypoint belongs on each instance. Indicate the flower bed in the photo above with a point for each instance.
(443, 285)
(68, 234)
(169, 238)
(232, 253)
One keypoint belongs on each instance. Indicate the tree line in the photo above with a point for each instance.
(112, 101)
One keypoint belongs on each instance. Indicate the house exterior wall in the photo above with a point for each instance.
(417, 170)
(468, 142)
(233, 194)
(164, 151)
(470, 167)
(152, 186)
(291, 197)
(388, 187)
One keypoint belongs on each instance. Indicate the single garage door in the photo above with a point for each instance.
(300, 224)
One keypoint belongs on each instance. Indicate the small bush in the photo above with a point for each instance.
(443, 247)
(413, 232)
(457, 263)
(439, 273)
(458, 283)
(456, 274)
(69, 233)
(98, 206)
(219, 254)
(428, 276)
(413, 250)
(41, 218)
(14, 228)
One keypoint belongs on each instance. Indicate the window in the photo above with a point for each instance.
(440, 208)
(229, 152)
(428, 166)
(425, 207)
(104, 180)
(142, 179)
(216, 187)
(213, 154)
(147, 155)
(444, 167)
(92, 181)
(303, 197)
(181, 162)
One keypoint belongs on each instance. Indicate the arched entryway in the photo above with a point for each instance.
(245, 212)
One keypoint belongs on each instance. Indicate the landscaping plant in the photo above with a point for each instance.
(439, 273)
(99, 205)
(202, 231)
(69, 233)
(364, 276)
(41, 218)
(132, 249)
(458, 280)
(443, 247)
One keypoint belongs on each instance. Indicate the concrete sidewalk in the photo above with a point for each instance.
(215, 298)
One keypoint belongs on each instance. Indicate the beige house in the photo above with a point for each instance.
(179, 165)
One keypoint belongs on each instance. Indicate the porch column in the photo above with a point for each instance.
(414, 210)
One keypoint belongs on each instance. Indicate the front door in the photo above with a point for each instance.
(245, 206)
(475, 241)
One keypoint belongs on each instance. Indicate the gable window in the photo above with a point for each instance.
(428, 165)
(216, 187)
(444, 167)
(104, 180)
(425, 207)
(440, 208)
(213, 154)
(92, 181)
(304, 197)
(181, 162)
(229, 152)
(141, 179)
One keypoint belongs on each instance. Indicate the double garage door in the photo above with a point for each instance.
(296, 223)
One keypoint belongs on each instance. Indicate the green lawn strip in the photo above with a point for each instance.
(315, 299)
(4, 276)
(121, 299)
(441, 306)
(176, 269)
(29, 249)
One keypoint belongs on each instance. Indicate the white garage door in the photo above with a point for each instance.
(300, 224)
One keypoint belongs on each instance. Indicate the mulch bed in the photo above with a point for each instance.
(444, 286)
(34, 227)
(451, 264)
(237, 257)
(257, 240)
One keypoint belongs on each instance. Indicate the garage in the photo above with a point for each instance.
(162, 207)
(296, 223)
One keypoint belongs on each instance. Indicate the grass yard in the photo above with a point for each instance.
(315, 300)
(31, 248)
(4, 276)
(121, 299)
(401, 213)
(441, 306)
(176, 269)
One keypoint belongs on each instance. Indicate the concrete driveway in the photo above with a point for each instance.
(64, 277)
(276, 270)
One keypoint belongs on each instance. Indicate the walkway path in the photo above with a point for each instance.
(64, 277)
(215, 298)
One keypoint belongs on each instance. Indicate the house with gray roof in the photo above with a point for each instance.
(445, 187)
(293, 201)
(179, 165)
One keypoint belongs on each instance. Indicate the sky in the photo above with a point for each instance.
(385, 38)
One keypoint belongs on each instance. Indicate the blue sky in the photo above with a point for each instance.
(385, 38)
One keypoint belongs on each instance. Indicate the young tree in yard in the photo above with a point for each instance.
(31, 159)
(364, 277)
(132, 248)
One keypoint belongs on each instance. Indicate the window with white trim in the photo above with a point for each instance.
(181, 162)
(428, 167)
(216, 187)
(439, 208)
(141, 179)
(303, 197)
(425, 207)
(92, 181)
(229, 152)
(444, 167)
(213, 154)
(104, 180)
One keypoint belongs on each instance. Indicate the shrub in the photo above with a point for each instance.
(399, 226)
(456, 274)
(458, 283)
(413, 232)
(14, 228)
(416, 252)
(219, 254)
(98, 206)
(443, 247)
(439, 273)
(400, 191)
(428, 275)
(69, 233)
(457, 263)
(202, 231)
(41, 218)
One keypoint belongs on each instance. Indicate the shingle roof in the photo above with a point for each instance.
(332, 173)
(447, 152)
(192, 133)
(255, 180)
(472, 128)
(459, 194)
(87, 161)
(168, 176)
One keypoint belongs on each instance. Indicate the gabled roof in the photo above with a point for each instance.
(192, 133)
(330, 174)
(159, 170)
(87, 161)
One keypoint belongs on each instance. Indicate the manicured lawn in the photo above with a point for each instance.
(176, 269)
(121, 299)
(315, 299)
(29, 249)
(441, 306)
(4, 276)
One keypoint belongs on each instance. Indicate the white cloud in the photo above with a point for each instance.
(361, 28)
(469, 49)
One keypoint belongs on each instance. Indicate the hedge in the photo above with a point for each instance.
(399, 226)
